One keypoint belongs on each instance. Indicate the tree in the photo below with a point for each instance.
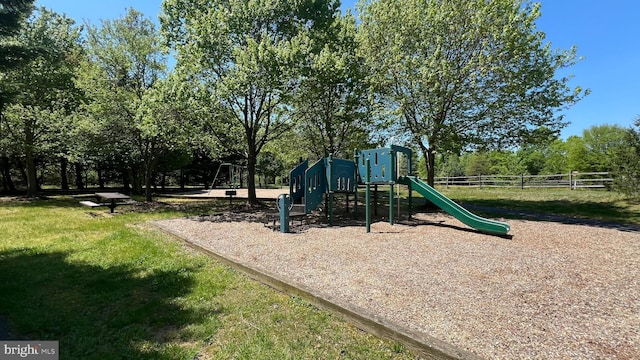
(577, 154)
(13, 14)
(555, 156)
(464, 74)
(478, 164)
(626, 163)
(331, 103)
(125, 61)
(512, 163)
(601, 142)
(269, 165)
(46, 94)
(246, 56)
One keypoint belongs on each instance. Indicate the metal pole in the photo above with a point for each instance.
(368, 196)
(356, 158)
(392, 178)
(409, 185)
(283, 203)
(330, 189)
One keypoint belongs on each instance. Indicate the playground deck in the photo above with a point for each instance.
(553, 291)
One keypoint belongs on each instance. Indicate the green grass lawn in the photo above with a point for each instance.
(115, 287)
(591, 204)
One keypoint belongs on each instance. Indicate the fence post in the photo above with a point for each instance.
(522, 181)
(570, 179)
(480, 181)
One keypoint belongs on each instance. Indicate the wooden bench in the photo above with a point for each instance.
(297, 212)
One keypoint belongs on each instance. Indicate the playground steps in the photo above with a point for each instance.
(297, 210)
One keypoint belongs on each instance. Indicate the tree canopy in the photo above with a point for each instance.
(124, 66)
(13, 14)
(471, 83)
(45, 93)
(246, 56)
(463, 74)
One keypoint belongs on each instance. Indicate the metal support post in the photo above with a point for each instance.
(368, 196)
(392, 168)
(284, 201)
(330, 189)
(356, 158)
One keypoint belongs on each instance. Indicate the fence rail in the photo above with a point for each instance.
(573, 180)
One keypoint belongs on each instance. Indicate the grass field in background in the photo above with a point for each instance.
(114, 287)
(591, 204)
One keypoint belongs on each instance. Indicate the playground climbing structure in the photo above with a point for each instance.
(310, 185)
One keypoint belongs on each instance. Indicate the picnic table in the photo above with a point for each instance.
(109, 199)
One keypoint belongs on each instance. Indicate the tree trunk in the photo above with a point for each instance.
(64, 179)
(148, 180)
(100, 177)
(430, 161)
(251, 178)
(126, 180)
(32, 177)
(79, 183)
(22, 170)
(7, 183)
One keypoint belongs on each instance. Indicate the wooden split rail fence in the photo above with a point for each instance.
(573, 180)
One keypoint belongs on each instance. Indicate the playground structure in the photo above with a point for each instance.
(233, 177)
(308, 186)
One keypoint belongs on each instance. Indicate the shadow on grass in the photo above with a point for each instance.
(40, 202)
(95, 312)
(567, 212)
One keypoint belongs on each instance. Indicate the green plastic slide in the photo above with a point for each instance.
(455, 210)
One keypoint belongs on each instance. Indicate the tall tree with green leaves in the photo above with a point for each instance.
(626, 163)
(13, 15)
(125, 61)
(246, 56)
(46, 91)
(601, 143)
(464, 73)
(331, 104)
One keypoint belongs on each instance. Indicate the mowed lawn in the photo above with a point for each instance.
(115, 287)
(589, 204)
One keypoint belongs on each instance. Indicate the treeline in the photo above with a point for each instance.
(600, 148)
(262, 84)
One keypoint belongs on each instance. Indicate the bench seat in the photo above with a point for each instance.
(90, 203)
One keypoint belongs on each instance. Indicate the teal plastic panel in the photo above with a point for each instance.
(343, 176)
(381, 165)
(296, 181)
(315, 186)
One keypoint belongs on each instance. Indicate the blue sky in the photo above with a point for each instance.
(607, 34)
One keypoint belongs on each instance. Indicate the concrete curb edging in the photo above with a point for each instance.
(423, 345)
